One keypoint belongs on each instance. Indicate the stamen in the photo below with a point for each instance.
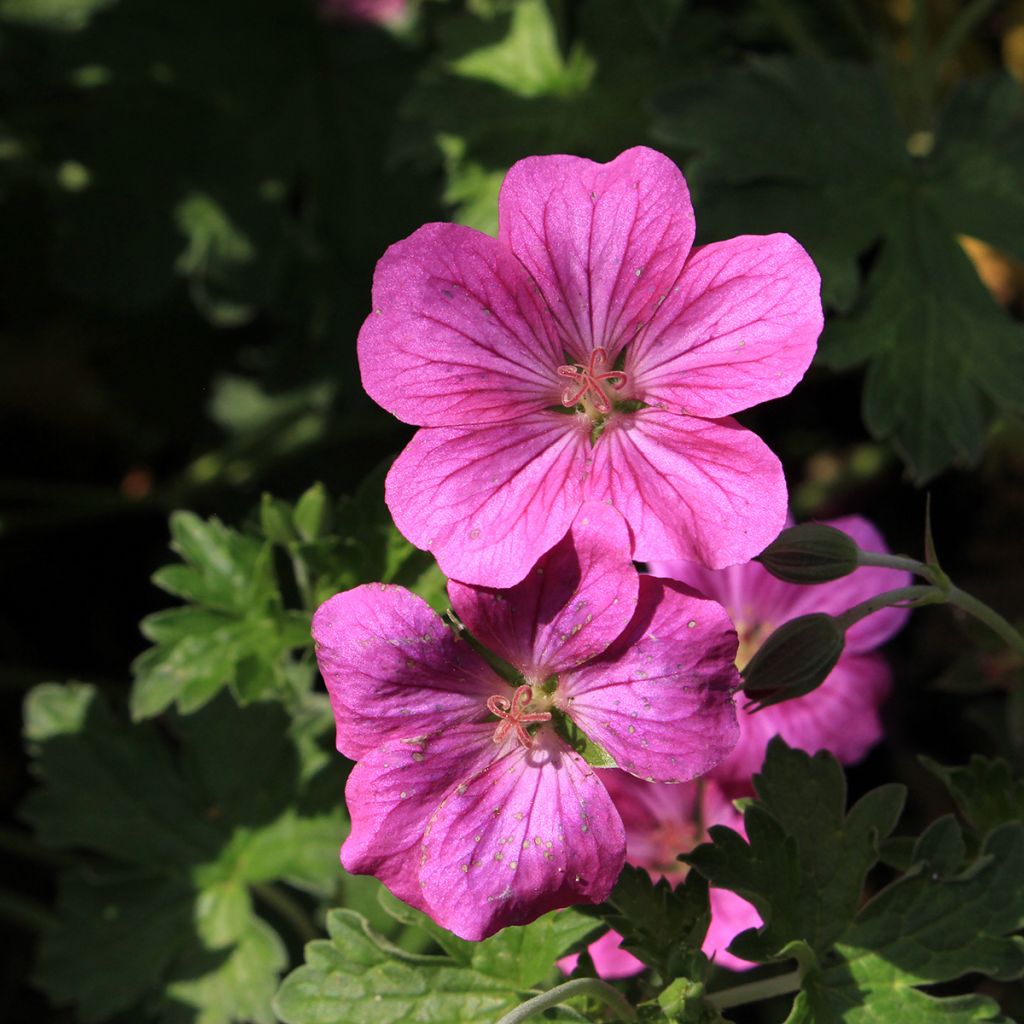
(513, 715)
(587, 380)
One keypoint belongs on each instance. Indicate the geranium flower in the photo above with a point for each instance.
(842, 714)
(466, 801)
(662, 822)
(586, 353)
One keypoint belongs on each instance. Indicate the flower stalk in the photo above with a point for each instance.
(594, 987)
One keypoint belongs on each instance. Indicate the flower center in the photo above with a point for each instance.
(751, 637)
(590, 384)
(515, 714)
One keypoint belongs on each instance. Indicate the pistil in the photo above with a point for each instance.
(515, 716)
(587, 383)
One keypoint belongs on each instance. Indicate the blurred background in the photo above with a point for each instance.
(193, 196)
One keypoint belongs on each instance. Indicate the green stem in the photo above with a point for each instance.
(755, 991)
(989, 616)
(958, 32)
(276, 898)
(579, 987)
(896, 562)
(917, 595)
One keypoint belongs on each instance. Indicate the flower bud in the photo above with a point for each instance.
(812, 553)
(794, 660)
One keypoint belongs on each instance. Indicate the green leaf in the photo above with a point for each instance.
(924, 929)
(59, 15)
(312, 513)
(237, 632)
(173, 835)
(985, 791)
(942, 357)
(356, 976)
(662, 925)
(805, 860)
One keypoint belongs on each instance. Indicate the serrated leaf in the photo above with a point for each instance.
(355, 977)
(804, 862)
(985, 791)
(943, 357)
(178, 833)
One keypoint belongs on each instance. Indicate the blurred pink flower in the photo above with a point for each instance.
(842, 714)
(589, 352)
(661, 822)
(466, 801)
(375, 12)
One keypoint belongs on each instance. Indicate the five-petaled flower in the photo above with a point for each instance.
(840, 716)
(589, 352)
(467, 801)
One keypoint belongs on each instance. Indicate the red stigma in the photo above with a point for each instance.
(588, 380)
(513, 715)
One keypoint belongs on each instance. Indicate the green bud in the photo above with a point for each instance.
(794, 660)
(812, 553)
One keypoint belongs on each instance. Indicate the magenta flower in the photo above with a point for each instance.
(466, 801)
(842, 714)
(662, 822)
(586, 353)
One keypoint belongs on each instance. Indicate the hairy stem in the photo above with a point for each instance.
(920, 594)
(579, 987)
(1000, 626)
(280, 901)
(755, 991)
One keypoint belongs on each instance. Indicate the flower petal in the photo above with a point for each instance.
(532, 832)
(841, 716)
(609, 958)
(704, 490)
(660, 700)
(730, 915)
(743, 328)
(392, 793)
(488, 501)
(605, 242)
(458, 334)
(574, 603)
(393, 669)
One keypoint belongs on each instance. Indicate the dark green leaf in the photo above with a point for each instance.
(985, 791)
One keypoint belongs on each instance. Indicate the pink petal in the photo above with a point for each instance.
(746, 331)
(533, 832)
(610, 959)
(393, 669)
(392, 792)
(730, 915)
(841, 716)
(488, 501)
(660, 701)
(576, 600)
(705, 490)
(605, 242)
(457, 334)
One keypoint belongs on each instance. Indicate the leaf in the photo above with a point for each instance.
(805, 860)
(662, 925)
(591, 752)
(355, 976)
(942, 356)
(924, 929)
(173, 836)
(985, 791)
(56, 15)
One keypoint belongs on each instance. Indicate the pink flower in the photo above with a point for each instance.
(661, 822)
(466, 801)
(586, 353)
(373, 12)
(842, 714)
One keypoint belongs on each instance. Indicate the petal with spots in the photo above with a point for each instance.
(660, 701)
(393, 668)
(392, 793)
(573, 604)
(533, 831)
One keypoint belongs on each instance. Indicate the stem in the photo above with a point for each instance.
(881, 561)
(958, 32)
(919, 594)
(275, 897)
(560, 993)
(755, 991)
(989, 616)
